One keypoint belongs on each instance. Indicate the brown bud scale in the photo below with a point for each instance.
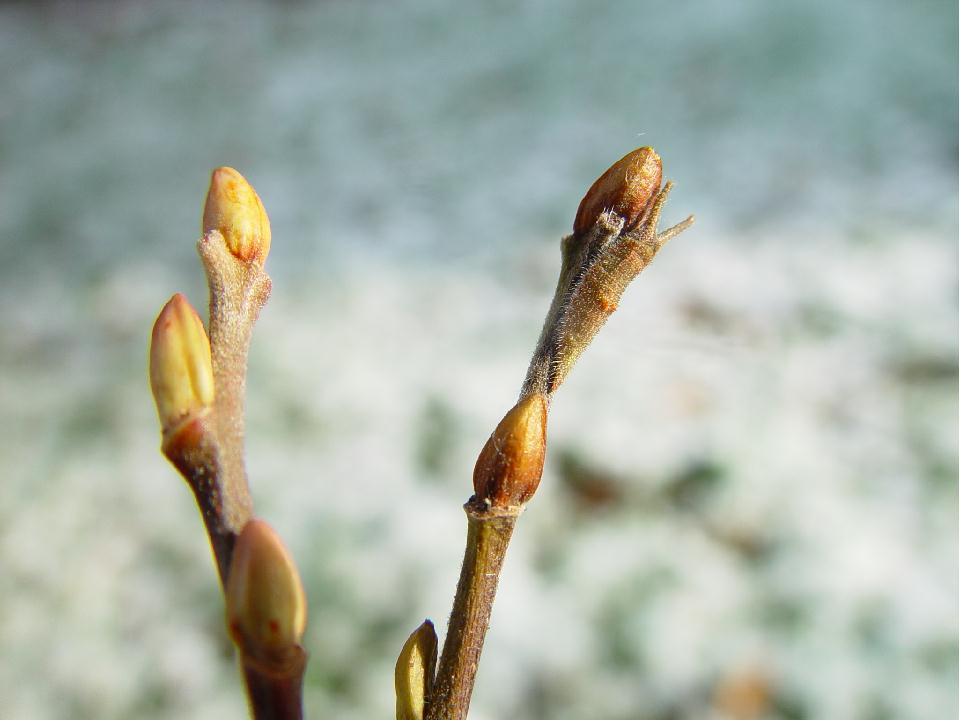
(626, 188)
(510, 464)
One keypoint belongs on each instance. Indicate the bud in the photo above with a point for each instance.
(626, 188)
(509, 467)
(413, 676)
(181, 374)
(234, 209)
(266, 605)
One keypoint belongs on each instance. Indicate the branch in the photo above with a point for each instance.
(615, 237)
(199, 387)
(488, 535)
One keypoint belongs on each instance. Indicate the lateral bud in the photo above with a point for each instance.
(626, 188)
(413, 676)
(265, 603)
(234, 209)
(510, 464)
(181, 373)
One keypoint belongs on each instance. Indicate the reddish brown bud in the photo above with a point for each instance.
(509, 467)
(626, 188)
(233, 208)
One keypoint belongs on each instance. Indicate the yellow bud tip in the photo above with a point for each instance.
(266, 605)
(626, 188)
(181, 374)
(510, 464)
(234, 209)
(413, 675)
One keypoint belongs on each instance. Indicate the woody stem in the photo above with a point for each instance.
(488, 535)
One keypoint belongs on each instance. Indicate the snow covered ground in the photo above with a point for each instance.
(750, 497)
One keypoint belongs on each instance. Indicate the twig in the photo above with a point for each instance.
(615, 237)
(199, 388)
(488, 535)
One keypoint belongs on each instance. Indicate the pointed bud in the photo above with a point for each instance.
(413, 676)
(234, 209)
(509, 467)
(266, 605)
(181, 374)
(626, 188)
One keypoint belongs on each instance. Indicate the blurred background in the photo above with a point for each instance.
(749, 508)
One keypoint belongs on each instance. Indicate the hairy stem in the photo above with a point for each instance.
(238, 291)
(597, 266)
(193, 452)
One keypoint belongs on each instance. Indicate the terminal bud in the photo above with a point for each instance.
(233, 208)
(626, 188)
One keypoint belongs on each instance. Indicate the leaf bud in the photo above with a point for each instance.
(510, 464)
(266, 606)
(181, 373)
(233, 208)
(626, 188)
(413, 676)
